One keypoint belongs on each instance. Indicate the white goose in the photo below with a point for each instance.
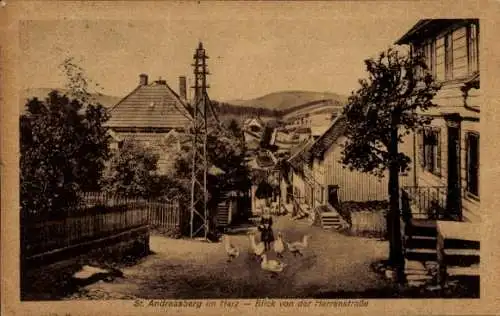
(299, 246)
(232, 251)
(279, 245)
(256, 248)
(273, 266)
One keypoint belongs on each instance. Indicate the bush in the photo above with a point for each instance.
(63, 151)
(133, 172)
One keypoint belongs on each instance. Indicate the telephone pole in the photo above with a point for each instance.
(199, 219)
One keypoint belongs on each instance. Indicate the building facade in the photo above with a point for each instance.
(446, 153)
(324, 178)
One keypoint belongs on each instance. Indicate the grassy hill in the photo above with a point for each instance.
(42, 93)
(285, 100)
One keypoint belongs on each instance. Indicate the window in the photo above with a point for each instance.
(472, 143)
(430, 57)
(473, 47)
(448, 56)
(440, 64)
(430, 150)
(419, 51)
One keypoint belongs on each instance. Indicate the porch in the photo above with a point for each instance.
(435, 236)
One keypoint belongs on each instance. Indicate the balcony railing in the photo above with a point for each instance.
(424, 202)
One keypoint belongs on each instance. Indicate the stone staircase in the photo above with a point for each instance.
(458, 251)
(420, 240)
(329, 218)
(429, 255)
(222, 217)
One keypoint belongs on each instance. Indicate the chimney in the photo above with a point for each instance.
(160, 81)
(143, 79)
(182, 88)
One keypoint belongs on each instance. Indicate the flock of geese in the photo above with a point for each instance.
(257, 250)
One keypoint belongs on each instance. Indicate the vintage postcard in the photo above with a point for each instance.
(248, 157)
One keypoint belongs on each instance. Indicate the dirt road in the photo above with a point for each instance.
(333, 263)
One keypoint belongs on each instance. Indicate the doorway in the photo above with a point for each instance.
(333, 195)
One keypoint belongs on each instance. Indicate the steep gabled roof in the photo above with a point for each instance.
(150, 106)
(254, 121)
(300, 155)
(325, 141)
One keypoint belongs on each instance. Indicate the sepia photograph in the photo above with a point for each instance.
(241, 156)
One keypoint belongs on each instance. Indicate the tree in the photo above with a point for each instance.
(63, 145)
(132, 170)
(226, 151)
(63, 150)
(235, 129)
(378, 115)
(77, 82)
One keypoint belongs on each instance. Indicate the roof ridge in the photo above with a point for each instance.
(332, 125)
(306, 143)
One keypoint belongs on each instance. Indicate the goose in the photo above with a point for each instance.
(232, 251)
(257, 249)
(273, 266)
(298, 246)
(279, 246)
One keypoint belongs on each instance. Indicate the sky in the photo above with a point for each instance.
(250, 54)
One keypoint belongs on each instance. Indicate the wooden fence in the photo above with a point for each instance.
(98, 216)
(368, 223)
(165, 214)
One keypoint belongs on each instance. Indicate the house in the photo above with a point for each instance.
(330, 174)
(447, 155)
(253, 129)
(445, 194)
(324, 174)
(255, 125)
(155, 116)
(316, 114)
(301, 183)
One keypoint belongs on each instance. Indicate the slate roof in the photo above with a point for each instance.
(325, 141)
(150, 106)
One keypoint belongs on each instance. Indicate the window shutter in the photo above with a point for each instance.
(467, 160)
(472, 163)
(420, 142)
(449, 56)
(438, 154)
(477, 165)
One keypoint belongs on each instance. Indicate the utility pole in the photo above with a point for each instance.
(199, 219)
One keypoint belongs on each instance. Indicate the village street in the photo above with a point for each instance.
(333, 263)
